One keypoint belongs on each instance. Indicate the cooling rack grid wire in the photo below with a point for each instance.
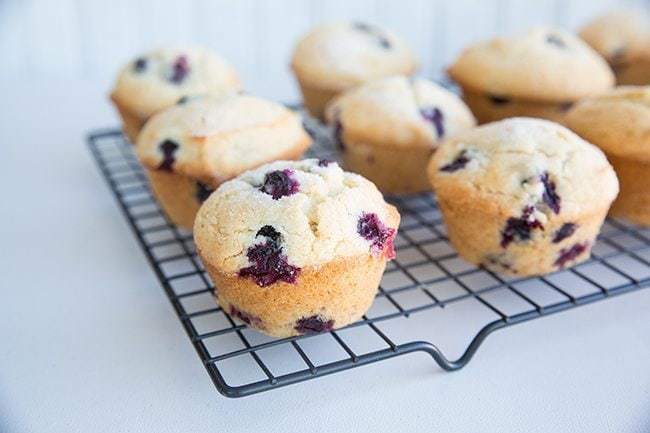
(430, 300)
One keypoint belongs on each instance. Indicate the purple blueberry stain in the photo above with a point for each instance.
(140, 64)
(550, 196)
(556, 41)
(269, 264)
(434, 116)
(203, 191)
(313, 325)
(569, 254)
(168, 149)
(280, 183)
(381, 237)
(180, 69)
(458, 163)
(498, 100)
(564, 232)
(519, 229)
(324, 162)
(245, 317)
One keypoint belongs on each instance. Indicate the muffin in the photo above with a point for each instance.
(158, 79)
(336, 57)
(388, 129)
(296, 247)
(539, 74)
(619, 123)
(522, 196)
(623, 39)
(191, 148)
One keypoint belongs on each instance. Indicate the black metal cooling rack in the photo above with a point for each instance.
(430, 300)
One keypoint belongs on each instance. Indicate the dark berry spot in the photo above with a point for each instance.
(519, 228)
(498, 100)
(381, 237)
(168, 149)
(373, 31)
(434, 116)
(324, 162)
(549, 196)
(565, 106)
(569, 254)
(247, 318)
(182, 100)
(180, 69)
(457, 164)
(140, 64)
(564, 232)
(203, 191)
(271, 234)
(338, 134)
(499, 261)
(313, 325)
(279, 183)
(268, 263)
(555, 40)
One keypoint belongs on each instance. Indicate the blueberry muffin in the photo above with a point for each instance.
(191, 148)
(336, 57)
(522, 196)
(539, 74)
(296, 247)
(388, 128)
(158, 79)
(623, 39)
(619, 123)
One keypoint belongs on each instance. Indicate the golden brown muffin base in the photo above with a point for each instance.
(341, 291)
(634, 73)
(394, 170)
(177, 195)
(486, 111)
(316, 98)
(476, 234)
(633, 201)
(131, 123)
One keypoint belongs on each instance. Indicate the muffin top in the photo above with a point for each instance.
(340, 55)
(269, 223)
(216, 138)
(398, 111)
(544, 64)
(619, 36)
(158, 79)
(618, 121)
(522, 166)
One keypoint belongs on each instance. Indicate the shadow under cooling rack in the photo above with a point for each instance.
(430, 300)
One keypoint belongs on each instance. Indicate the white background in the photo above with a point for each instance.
(92, 38)
(89, 342)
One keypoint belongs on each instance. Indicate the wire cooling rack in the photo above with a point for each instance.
(430, 300)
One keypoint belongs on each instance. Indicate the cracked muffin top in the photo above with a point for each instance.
(270, 222)
(399, 111)
(543, 64)
(618, 121)
(620, 36)
(339, 55)
(217, 138)
(158, 79)
(524, 163)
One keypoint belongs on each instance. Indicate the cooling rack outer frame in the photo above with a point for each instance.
(102, 142)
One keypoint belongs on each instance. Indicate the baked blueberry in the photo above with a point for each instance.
(549, 196)
(140, 64)
(458, 163)
(569, 254)
(564, 232)
(168, 149)
(247, 318)
(434, 116)
(269, 264)
(381, 237)
(203, 191)
(180, 69)
(498, 100)
(280, 183)
(556, 41)
(519, 229)
(313, 325)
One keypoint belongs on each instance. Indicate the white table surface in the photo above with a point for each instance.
(91, 344)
